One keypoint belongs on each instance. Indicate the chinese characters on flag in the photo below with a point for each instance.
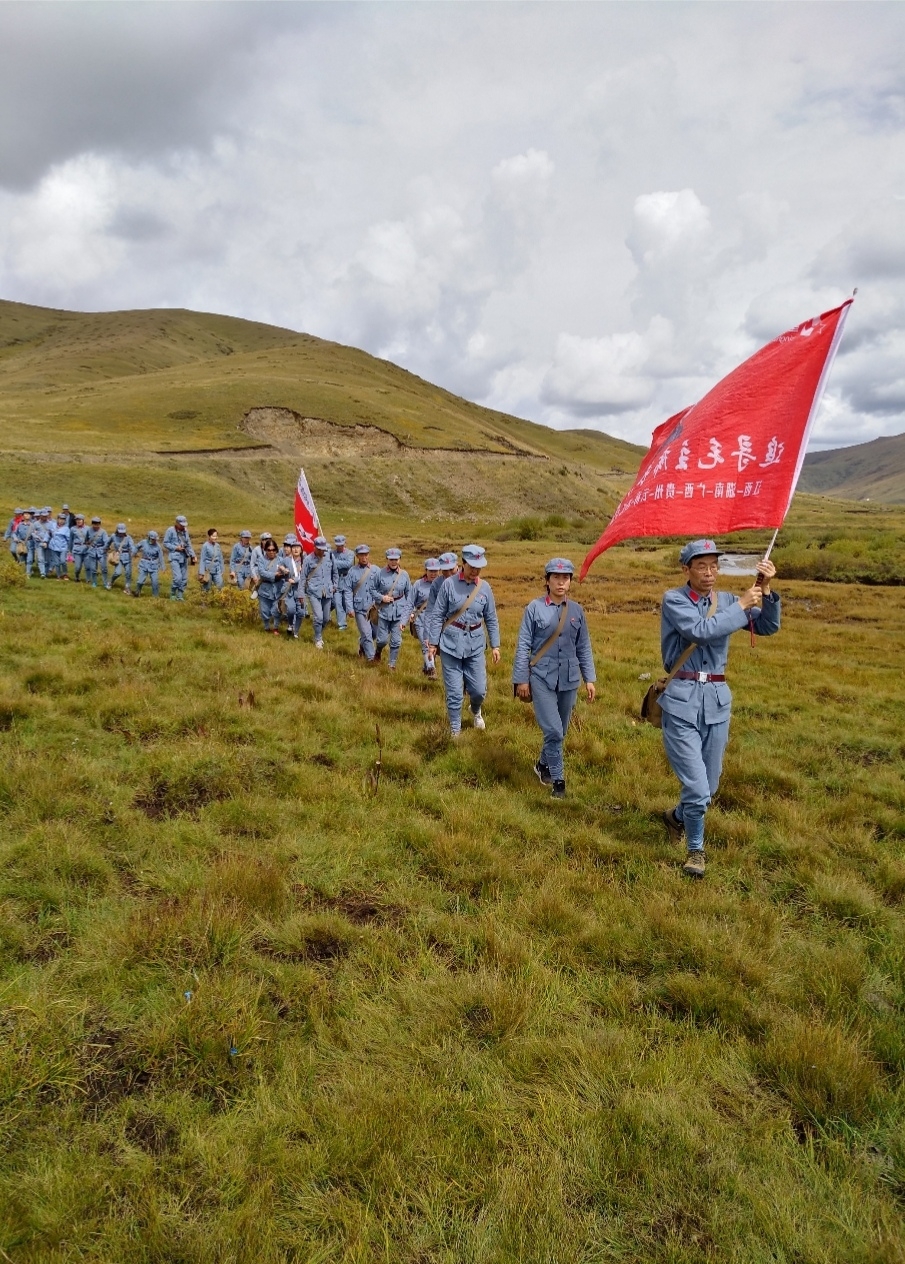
(732, 460)
(307, 525)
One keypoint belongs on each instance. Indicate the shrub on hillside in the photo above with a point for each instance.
(234, 605)
(12, 574)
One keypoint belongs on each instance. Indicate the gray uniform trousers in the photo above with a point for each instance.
(148, 571)
(35, 555)
(361, 587)
(696, 712)
(419, 599)
(695, 751)
(462, 643)
(342, 598)
(553, 711)
(96, 559)
(179, 571)
(124, 565)
(461, 675)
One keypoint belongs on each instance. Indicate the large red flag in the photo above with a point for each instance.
(732, 460)
(307, 525)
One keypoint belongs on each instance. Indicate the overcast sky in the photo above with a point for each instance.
(581, 213)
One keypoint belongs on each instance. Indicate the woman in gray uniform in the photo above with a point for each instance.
(552, 657)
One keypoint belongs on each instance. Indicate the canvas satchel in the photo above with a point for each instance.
(548, 644)
(651, 711)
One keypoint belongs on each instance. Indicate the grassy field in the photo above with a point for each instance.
(254, 1009)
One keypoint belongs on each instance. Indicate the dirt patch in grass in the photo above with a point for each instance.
(317, 937)
(360, 907)
(184, 791)
(110, 1070)
(152, 1134)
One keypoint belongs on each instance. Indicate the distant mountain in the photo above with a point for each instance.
(865, 471)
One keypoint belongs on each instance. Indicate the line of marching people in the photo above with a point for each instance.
(47, 545)
(450, 608)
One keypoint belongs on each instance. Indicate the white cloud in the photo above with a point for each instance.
(590, 376)
(669, 228)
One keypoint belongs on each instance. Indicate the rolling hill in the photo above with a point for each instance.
(179, 379)
(189, 405)
(865, 471)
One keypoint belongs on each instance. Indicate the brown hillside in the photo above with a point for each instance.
(865, 471)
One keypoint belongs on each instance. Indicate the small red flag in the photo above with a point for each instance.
(732, 460)
(307, 525)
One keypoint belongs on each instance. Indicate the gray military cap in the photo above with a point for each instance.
(474, 555)
(697, 548)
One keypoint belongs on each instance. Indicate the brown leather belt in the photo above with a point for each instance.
(467, 627)
(703, 677)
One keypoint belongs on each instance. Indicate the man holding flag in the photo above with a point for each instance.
(729, 462)
(696, 702)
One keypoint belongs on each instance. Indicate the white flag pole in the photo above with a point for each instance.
(766, 556)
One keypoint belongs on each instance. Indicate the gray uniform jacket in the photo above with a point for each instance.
(240, 558)
(362, 578)
(178, 545)
(150, 555)
(319, 575)
(293, 584)
(79, 541)
(400, 585)
(124, 545)
(464, 637)
(270, 582)
(569, 658)
(97, 542)
(41, 532)
(683, 619)
(211, 559)
(343, 563)
(59, 541)
(421, 590)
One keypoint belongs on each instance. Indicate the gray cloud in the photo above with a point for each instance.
(138, 79)
(569, 211)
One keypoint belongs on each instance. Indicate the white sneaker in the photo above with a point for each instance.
(479, 721)
(455, 734)
(318, 645)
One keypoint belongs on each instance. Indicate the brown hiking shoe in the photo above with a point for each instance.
(694, 864)
(674, 827)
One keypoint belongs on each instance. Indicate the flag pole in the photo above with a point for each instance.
(766, 556)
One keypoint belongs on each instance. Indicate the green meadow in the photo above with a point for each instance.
(260, 1003)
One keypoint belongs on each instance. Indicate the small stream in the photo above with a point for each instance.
(739, 563)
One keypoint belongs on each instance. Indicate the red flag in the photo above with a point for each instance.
(307, 525)
(732, 460)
